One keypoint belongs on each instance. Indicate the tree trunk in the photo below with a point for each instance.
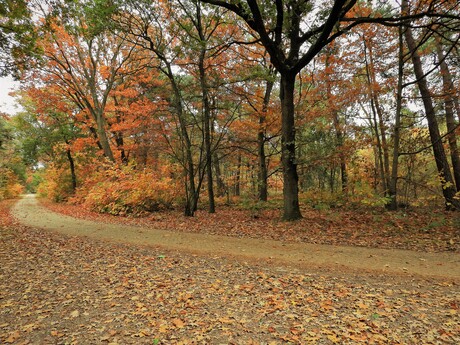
(263, 173)
(72, 168)
(339, 146)
(207, 135)
(392, 186)
(288, 156)
(442, 165)
(379, 165)
(221, 188)
(338, 133)
(450, 117)
(206, 112)
(379, 125)
(102, 135)
(119, 140)
(191, 192)
(238, 176)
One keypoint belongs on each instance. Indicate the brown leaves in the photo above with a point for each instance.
(12, 337)
(56, 289)
(422, 230)
(74, 314)
(178, 323)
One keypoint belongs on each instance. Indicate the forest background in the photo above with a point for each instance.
(131, 107)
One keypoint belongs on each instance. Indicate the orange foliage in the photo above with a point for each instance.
(9, 184)
(56, 184)
(127, 191)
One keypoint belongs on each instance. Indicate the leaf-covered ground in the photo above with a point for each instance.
(56, 289)
(424, 229)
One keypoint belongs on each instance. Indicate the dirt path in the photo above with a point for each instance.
(446, 265)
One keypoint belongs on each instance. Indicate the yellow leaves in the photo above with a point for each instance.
(128, 190)
(333, 338)
(75, 314)
(142, 333)
(178, 323)
(163, 328)
(362, 306)
(226, 320)
(30, 327)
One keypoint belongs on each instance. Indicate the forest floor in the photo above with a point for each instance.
(201, 287)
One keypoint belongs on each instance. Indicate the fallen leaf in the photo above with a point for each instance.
(178, 323)
(13, 337)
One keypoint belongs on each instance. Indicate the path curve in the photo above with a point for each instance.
(391, 261)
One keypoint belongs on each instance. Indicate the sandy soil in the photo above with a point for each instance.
(388, 261)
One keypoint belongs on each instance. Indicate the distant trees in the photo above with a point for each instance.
(12, 170)
(185, 88)
(293, 34)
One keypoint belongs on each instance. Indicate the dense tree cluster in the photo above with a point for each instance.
(138, 105)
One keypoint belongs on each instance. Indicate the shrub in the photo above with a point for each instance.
(9, 184)
(127, 191)
(56, 184)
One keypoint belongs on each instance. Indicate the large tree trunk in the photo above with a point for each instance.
(449, 107)
(206, 113)
(288, 156)
(393, 183)
(445, 176)
(119, 140)
(102, 134)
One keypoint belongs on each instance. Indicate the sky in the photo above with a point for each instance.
(7, 103)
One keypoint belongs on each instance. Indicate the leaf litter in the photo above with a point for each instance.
(424, 229)
(57, 289)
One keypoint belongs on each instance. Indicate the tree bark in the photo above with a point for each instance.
(288, 155)
(102, 135)
(118, 135)
(221, 188)
(73, 174)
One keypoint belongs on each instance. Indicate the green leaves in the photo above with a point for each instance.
(17, 37)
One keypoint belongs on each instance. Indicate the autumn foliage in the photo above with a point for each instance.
(126, 190)
(10, 186)
(154, 111)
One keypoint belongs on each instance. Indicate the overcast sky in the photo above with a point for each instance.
(7, 103)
